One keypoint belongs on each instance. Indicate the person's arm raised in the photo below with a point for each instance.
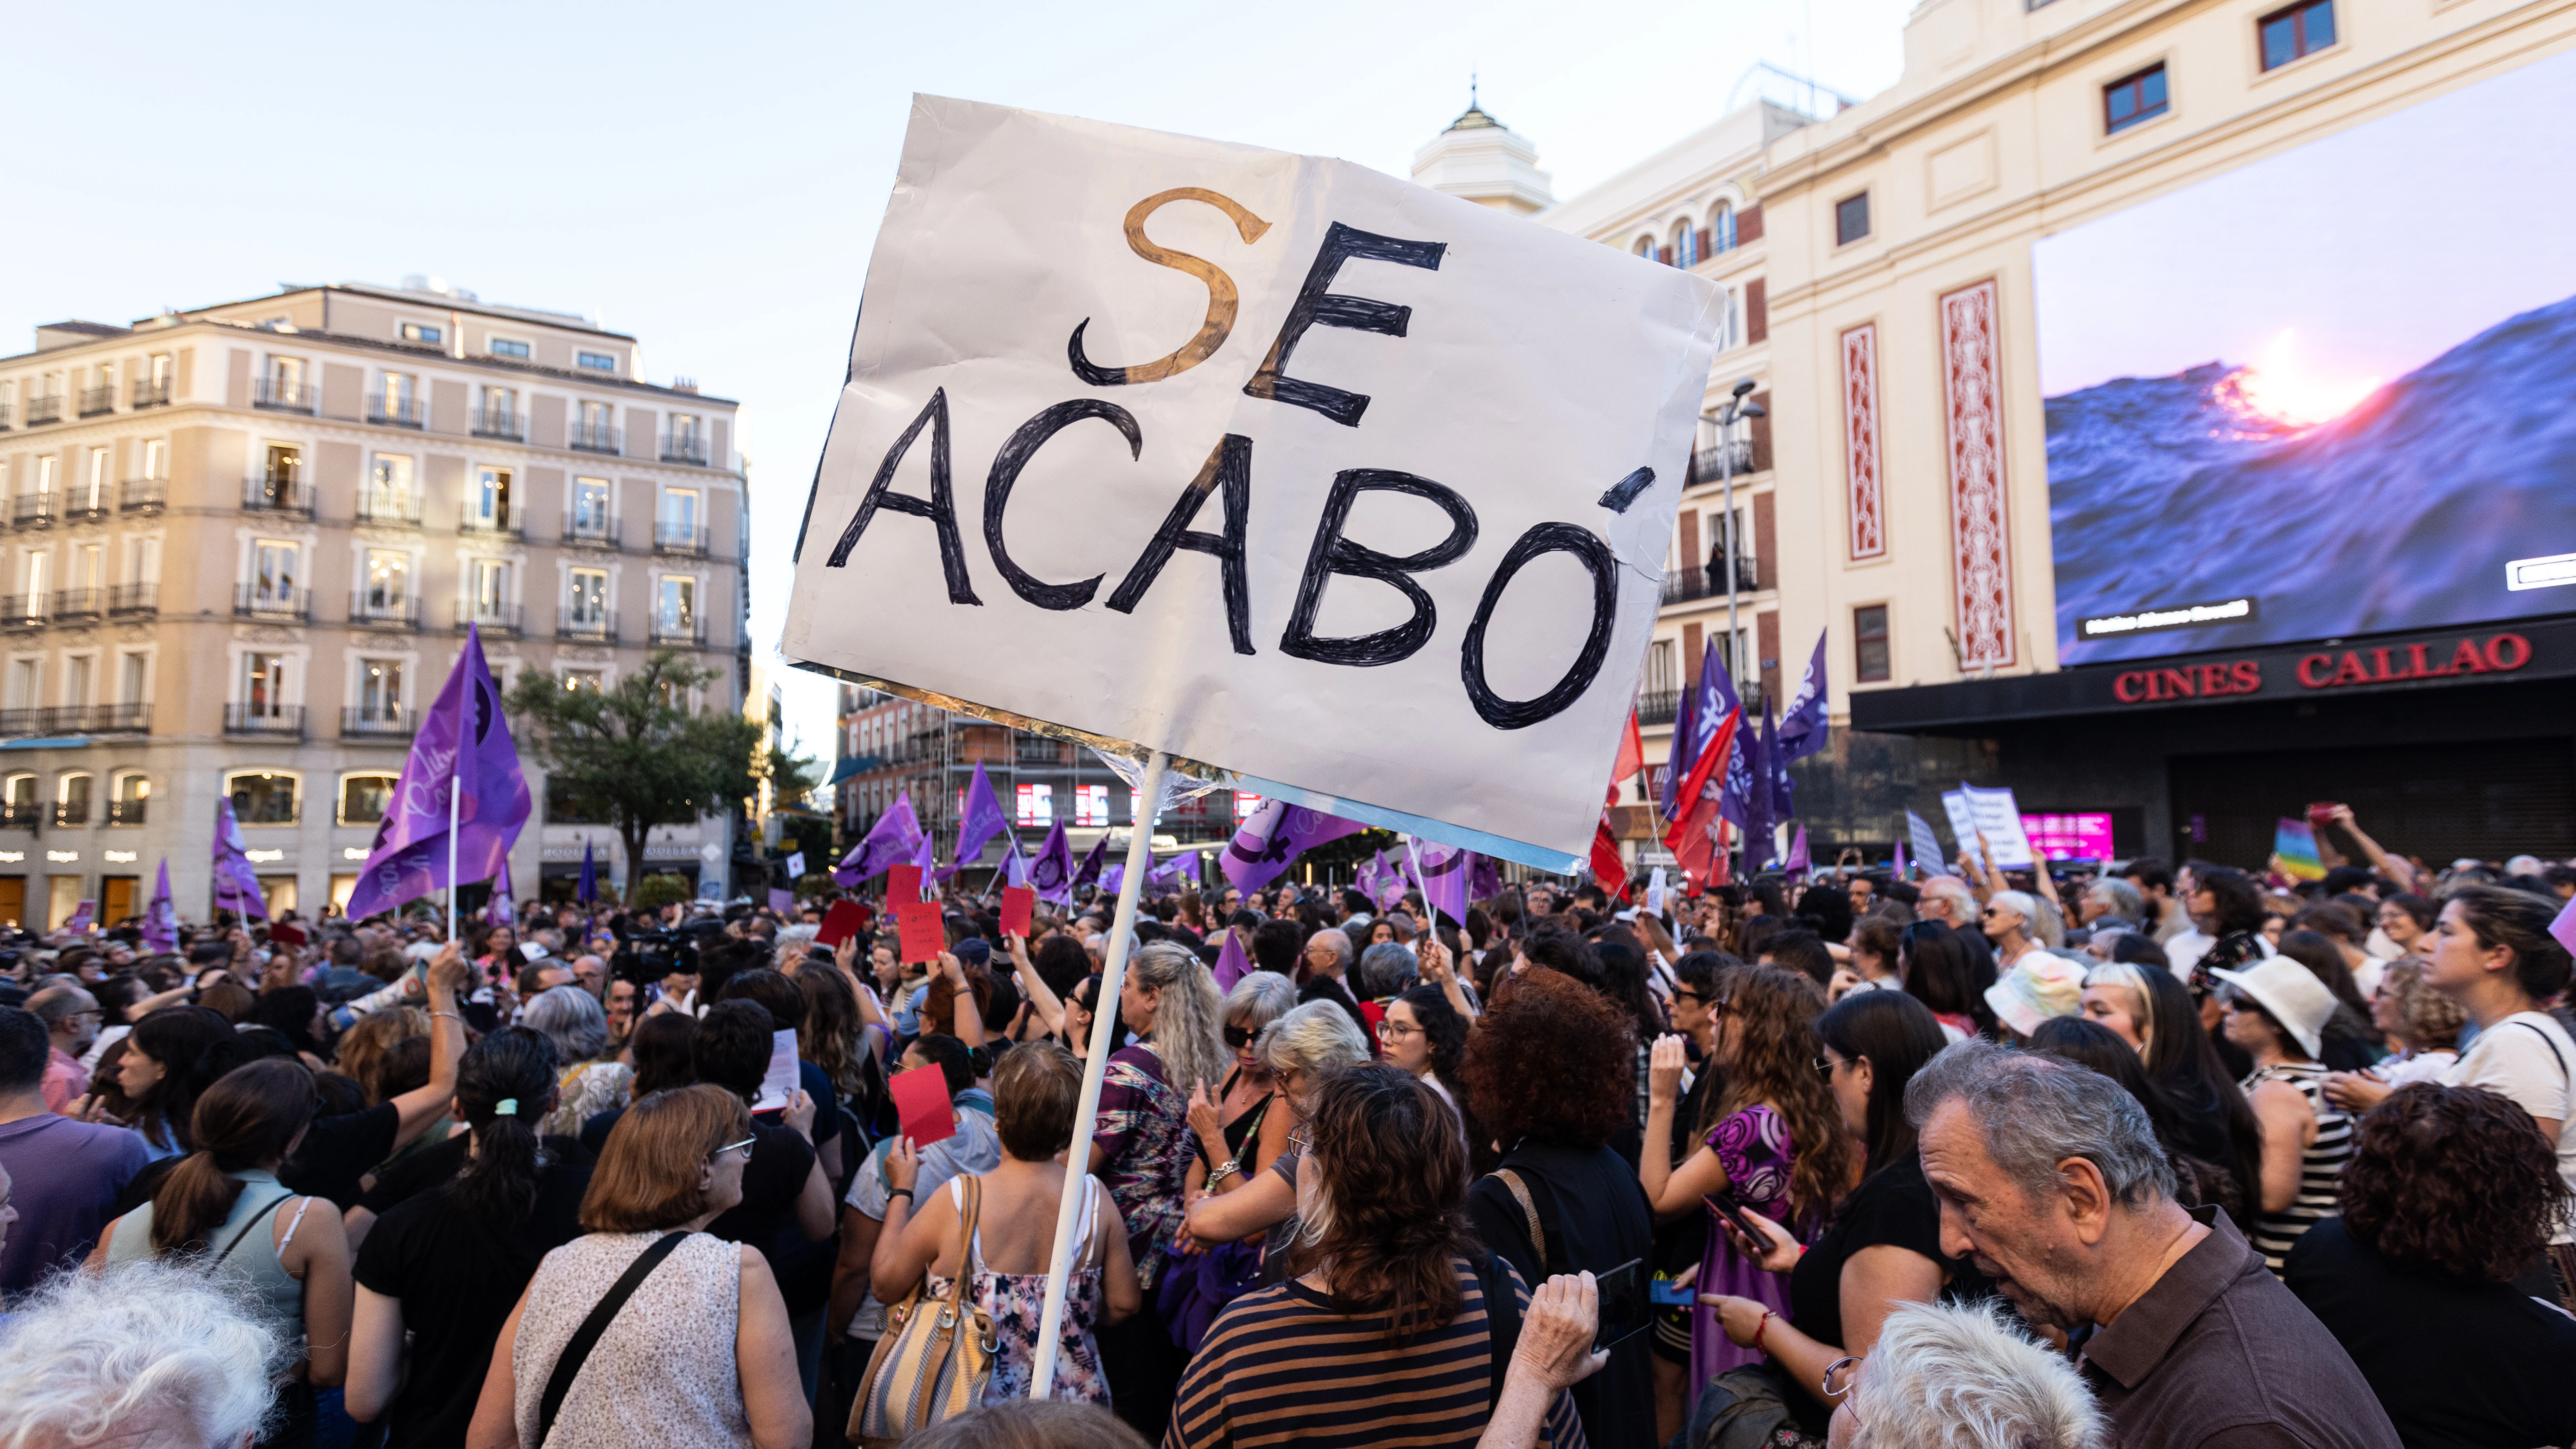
(421, 1106)
(1041, 997)
(1672, 1194)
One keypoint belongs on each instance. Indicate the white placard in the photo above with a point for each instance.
(779, 1082)
(1357, 504)
(1995, 815)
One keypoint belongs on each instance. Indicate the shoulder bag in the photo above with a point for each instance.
(929, 1367)
(585, 1338)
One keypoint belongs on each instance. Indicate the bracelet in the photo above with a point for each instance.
(1228, 1168)
(1763, 1323)
(895, 1192)
(451, 1016)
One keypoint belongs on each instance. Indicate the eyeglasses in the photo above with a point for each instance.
(1391, 1030)
(1238, 1036)
(1825, 1068)
(1838, 1380)
(1322, 953)
(1693, 997)
(743, 1147)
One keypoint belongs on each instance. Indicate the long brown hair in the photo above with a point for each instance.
(1775, 1056)
(245, 1120)
(1386, 1218)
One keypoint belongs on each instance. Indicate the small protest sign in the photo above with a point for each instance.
(917, 922)
(1992, 814)
(1018, 903)
(921, 1105)
(844, 920)
(779, 1082)
(903, 883)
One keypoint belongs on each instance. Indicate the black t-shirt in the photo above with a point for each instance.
(781, 1160)
(337, 1151)
(457, 1284)
(416, 1172)
(1891, 1208)
(1594, 1215)
(2456, 1365)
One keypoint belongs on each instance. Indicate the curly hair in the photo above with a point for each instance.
(1773, 1060)
(1552, 1061)
(2455, 1179)
(1383, 1198)
(2427, 1019)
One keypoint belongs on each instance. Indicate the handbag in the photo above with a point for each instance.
(936, 1358)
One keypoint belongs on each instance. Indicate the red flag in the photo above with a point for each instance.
(1632, 753)
(1697, 833)
(1608, 868)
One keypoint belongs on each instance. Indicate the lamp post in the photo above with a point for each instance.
(1735, 409)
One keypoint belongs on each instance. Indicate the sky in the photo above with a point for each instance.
(2358, 246)
(711, 180)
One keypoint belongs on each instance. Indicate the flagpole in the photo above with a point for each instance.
(1423, 886)
(1086, 1111)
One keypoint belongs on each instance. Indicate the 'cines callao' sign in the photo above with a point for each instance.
(2378, 664)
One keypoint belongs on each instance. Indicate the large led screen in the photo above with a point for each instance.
(2330, 392)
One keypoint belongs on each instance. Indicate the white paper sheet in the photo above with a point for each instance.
(779, 1082)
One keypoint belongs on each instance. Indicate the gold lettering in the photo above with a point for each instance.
(1222, 297)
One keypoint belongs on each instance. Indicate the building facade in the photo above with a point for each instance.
(246, 545)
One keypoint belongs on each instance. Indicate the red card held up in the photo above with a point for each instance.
(1018, 903)
(923, 939)
(844, 920)
(921, 1100)
(903, 883)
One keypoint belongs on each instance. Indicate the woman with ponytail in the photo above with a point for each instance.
(223, 1208)
(445, 1266)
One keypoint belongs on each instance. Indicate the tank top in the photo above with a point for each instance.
(663, 1373)
(1015, 1301)
(2320, 1166)
(243, 1247)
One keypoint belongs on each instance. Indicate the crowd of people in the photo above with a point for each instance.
(2148, 1155)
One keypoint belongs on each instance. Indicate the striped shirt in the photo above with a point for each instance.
(1287, 1365)
(2320, 1166)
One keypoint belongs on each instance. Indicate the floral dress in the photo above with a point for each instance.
(1754, 1147)
(1016, 1301)
(1145, 1135)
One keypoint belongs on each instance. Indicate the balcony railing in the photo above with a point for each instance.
(150, 394)
(8, 416)
(596, 438)
(277, 495)
(22, 611)
(1658, 706)
(377, 721)
(401, 412)
(509, 522)
(143, 495)
(376, 613)
(594, 532)
(44, 410)
(500, 423)
(71, 605)
(134, 601)
(1709, 465)
(490, 618)
(251, 601)
(684, 448)
(71, 812)
(1683, 585)
(688, 538)
(279, 394)
(264, 719)
(34, 510)
(20, 816)
(75, 719)
(89, 505)
(599, 628)
(388, 510)
(688, 632)
(127, 812)
(96, 400)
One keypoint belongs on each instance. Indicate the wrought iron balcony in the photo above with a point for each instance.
(507, 521)
(386, 509)
(88, 505)
(22, 611)
(252, 601)
(490, 618)
(44, 410)
(691, 633)
(376, 721)
(127, 812)
(143, 495)
(285, 395)
(600, 628)
(683, 538)
(594, 532)
(34, 510)
(111, 719)
(404, 412)
(1710, 464)
(8, 416)
(17, 816)
(134, 601)
(1684, 585)
(684, 448)
(149, 393)
(500, 423)
(1658, 706)
(96, 400)
(79, 605)
(71, 812)
(595, 437)
(367, 611)
(269, 494)
(264, 719)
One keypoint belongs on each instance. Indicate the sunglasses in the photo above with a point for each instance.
(1239, 1037)
(1824, 1068)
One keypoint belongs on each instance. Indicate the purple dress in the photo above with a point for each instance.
(1753, 1146)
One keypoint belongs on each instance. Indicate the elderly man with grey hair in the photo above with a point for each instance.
(1386, 969)
(2112, 901)
(71, 1017)
(1328, 964)
(155, 1353)
(1960, 1376)
(2049, 1175)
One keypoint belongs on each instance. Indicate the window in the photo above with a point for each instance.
(45, 474)
(126, 793)
(380, 690)
(134, 677)
(423, 332)
(398, 394)
(489, 504)
(164, 367)
(26, 679)
(500, 402)
(680, 509)
(2297, 31)
(363, 798)
(388, 580)
(22, 791)
(89, 565)
(590, 507)
(156, 458)
(1721, 229)
(1851, 219)
(73, 792)
(389, 487)
(273, 572)
(676, 608)
(285, 466)
(286, 378)
(143, 561)
(1685, 245)
(94, 482)
(1091, 805)
(2135, 98)
(588, 680)
(261, 798)
(1645, 247)
(597, 361)
(1037, 805)
(488, 588)
(590, 596)
(264, 686)
(35, 571)
(1869, 644)
(504, 347)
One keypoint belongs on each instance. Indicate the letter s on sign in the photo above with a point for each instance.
(1222, 297)
(2249, 675)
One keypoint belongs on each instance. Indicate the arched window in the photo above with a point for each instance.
(262, 797)
(363, 798)
(1645, 247)
(20, 806)
(71, 798)
(1685, 245)
(1721, 229)
(125, 804)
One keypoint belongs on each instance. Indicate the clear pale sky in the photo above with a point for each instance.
(710, 180)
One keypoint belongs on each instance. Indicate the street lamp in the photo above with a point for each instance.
(1735, 409)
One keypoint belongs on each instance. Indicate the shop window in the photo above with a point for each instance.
(363, 798)
(1036, 805)
(262, 797)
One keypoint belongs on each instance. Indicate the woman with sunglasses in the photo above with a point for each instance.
(701, 1353)
(1240, 1128)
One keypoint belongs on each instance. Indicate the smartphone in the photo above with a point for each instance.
(1671, 1294)
(2321, 813)
(1623, 1303)
(1729, 1208)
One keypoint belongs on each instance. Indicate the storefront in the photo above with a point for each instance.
(2445, 743)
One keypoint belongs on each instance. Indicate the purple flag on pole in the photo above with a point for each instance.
(1897, 871)
(236, 884)
(1232, 965)
(464, 750)
(1760, 840)
(983, 819)
(1484, 878)
(929, 862)
(1114, 877)
(1798, 851)
(1443, 880)
(1381, 882)
(161, 922)
(1803, 728)
(891, 841)
(1091, 865)
(587, 892)
(1051, 874)
(501, 908)
(1269, 842)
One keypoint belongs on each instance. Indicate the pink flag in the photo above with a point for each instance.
(1231, 964)
(2564, 928)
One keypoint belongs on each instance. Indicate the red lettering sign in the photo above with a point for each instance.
(2310, 662)
(2503, 652)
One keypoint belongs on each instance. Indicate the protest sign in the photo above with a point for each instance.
(778, 1083)
(1199, 423)
(2294, 846)
(917, 923)
(783, 902)
(845, 919)
(1018, 902)
(921, 1105)
(903, 883)
(1994, 815)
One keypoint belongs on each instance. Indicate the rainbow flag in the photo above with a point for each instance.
(2295, 843)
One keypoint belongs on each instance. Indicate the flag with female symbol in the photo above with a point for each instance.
(1268, 843)
(461, 761)
(161, 922)
(1442, 871)
(1051, 874)
(236, 884)
(891, 841)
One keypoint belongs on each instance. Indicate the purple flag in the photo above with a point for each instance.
(1484, 878)
(1015, 867)
(1231, 964)
(236, 884)
(1114, 877)
(1759, 838)
(982, 820)
(84, 917)
(463, 752)
(588, 891)
(1897, 872)
(783, 902)
(1442, 871)
(1091, 865)
(1274, 837)
(1381, 882)
(1798, 851)
(1803, 728)
(1685, 724)
(2564, 927)
(501, 909)
(929, 863)
(161, 922)
(893, 839)
(1051, 874)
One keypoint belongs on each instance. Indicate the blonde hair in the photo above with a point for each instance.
(1189, 1017)
(2142, 1001)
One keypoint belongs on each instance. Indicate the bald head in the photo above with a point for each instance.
(70, 1015)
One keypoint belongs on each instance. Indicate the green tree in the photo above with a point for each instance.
(636, 756)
